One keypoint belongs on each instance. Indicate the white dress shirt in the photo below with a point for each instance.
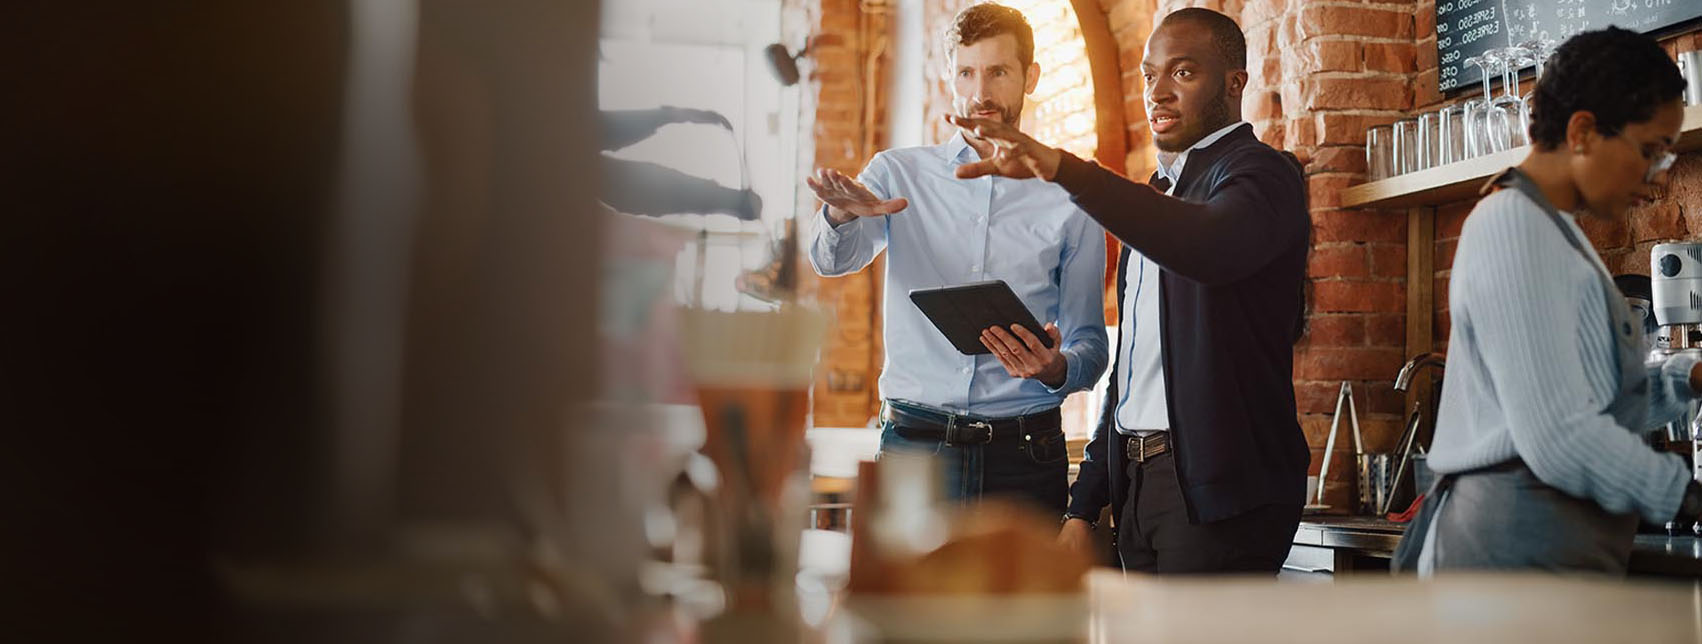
(1140, 374)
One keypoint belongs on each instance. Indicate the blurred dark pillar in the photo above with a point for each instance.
(174, 396)
(166, 174)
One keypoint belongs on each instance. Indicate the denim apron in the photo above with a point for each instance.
(1502, 516)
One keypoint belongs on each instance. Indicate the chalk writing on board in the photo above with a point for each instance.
(1467, 28)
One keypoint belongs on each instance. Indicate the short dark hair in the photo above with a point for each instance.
(1226, 37)
(978, 22)
(1618, 75)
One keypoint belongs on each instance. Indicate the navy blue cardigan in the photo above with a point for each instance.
(1232, 248)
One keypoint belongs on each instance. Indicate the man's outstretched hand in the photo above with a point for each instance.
(847, 199)
(1015, 155)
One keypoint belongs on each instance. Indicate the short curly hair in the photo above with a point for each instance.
(979, 22)
(1620, 76)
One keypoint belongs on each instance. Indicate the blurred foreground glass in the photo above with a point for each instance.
(1378, 153)
(752, 371)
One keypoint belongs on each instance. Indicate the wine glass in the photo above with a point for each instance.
(1480, 114)
(1539, 49)
(1518, 117)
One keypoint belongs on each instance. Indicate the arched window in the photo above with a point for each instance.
(1061, 110)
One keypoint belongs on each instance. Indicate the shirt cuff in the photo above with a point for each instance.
(1676, 372)
(829, 232)
(1072, 372)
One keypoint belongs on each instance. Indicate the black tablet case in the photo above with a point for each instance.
(962, 312)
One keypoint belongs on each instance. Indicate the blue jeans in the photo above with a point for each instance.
(1031, 470)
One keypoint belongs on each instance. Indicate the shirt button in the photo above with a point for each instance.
(975, 267)
(964, 370)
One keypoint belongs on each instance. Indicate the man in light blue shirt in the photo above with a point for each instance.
(993, 421)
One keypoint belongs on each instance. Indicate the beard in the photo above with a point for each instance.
(1007, 115)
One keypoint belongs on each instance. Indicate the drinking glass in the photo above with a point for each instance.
(1429, 143)
(1485, 124)
(1405, 146)
(1512, 60)
(1539, 49)
(1379, 156)
(1450, 134)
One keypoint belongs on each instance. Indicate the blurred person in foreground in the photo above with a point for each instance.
(1199, 450)
(992, 421)
(1537, 439)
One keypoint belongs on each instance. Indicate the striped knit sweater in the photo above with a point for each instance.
(1533, 368)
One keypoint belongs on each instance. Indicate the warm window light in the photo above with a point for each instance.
(1060, 112)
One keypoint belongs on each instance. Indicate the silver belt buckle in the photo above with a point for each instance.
(955, 437)
(1137, 448)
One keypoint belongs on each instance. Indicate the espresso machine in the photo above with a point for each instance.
(1676, 302)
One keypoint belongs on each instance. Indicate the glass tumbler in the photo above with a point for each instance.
(1450, 134)
(1429, 143)
(1405, 146)
(1379, 156)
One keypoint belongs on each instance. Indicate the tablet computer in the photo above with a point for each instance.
(962, 312)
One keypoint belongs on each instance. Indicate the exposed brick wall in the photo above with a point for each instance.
(1355, 66)
(848, 56)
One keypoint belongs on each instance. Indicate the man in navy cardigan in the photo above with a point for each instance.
(1198, 449)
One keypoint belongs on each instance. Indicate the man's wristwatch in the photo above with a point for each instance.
(1092, 524)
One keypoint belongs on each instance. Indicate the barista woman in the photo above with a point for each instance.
(1537, 437)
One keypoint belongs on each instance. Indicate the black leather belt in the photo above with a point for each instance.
(918, 423)
(1141, 448)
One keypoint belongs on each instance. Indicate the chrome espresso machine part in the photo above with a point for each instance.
(1676, 282)
(1676, 285)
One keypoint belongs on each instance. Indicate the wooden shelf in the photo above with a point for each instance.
(1461, 180)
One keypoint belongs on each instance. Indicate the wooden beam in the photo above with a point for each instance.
(1421, 303)
(1104, 60)
(1112, 150)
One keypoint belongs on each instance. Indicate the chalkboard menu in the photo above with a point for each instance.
(1466, 28)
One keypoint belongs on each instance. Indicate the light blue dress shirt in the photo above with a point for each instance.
(956, 231)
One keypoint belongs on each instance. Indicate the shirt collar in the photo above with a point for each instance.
(1173, 172)
(956, 148)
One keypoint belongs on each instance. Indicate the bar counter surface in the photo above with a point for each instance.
(1458, 609)
(1455, 609)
